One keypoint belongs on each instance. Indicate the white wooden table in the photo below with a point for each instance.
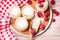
(53, 33)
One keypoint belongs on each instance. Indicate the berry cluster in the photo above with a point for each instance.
(40, 3)
(54, 11)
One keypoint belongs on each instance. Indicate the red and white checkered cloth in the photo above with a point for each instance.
(5, 31)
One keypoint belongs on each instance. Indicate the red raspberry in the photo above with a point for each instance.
(55, 12)
(40, 1)
(41, 5)
(46, 14)
(39, 14)
(32, 31)
(46, 18)
(53, 20)
(42, 26)
(29, 2)
(52, 2)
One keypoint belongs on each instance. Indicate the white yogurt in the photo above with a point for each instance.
(21, 23)
(28, 12)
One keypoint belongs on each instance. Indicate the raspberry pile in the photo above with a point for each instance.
(54, 11)
(40, 3)
(39, 14)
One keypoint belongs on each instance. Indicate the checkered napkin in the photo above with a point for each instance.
(6, 32)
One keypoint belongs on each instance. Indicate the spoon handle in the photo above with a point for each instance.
(30, 37)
